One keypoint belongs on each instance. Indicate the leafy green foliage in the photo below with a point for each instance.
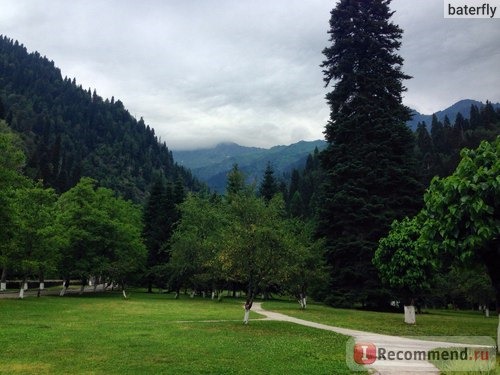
(102, 234)
(402, 265)
(36, 238)
(242, 240)
(461, 211)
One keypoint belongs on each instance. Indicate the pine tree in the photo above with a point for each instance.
(369, 163)
(268, 187)
(438, 134)
(235, 181)
(474, 117)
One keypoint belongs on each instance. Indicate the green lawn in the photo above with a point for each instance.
(105, 334)
(431, 323)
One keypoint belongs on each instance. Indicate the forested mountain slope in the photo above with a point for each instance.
(212, 165)
(71, 132)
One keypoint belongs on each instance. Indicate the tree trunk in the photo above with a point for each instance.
(82, 288)
(65, 287)
(498, 332)
(150, 286)
(41, 285)
(123, 290)
(3, 280)
(248, 307)
(491, 259)
(302, 299)
(21, 289)
(410, 313)
(249, 301)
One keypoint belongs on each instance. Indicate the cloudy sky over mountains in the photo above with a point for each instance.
(205, 71)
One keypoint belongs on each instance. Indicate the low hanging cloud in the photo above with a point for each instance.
(202, 72)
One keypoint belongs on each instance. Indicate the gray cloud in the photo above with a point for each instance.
(205, 71)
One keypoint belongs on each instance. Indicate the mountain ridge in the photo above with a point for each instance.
(211, 165)
(462, 106)
(70, 132)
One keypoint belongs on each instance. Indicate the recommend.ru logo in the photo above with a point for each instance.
(414, 354)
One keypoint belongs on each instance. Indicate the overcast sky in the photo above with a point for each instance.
(205, 71)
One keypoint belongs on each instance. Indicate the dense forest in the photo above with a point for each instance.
(70, 132)
(86, 169)
(437, 151)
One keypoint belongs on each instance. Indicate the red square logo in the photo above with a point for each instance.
(365, 353)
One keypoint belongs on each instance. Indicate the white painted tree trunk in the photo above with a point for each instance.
(41, 286)
(304, 302)
(410, 314)
(213, 295)
(192, 294)
(246, 318)
(63, 290)
(203, 294)
(124, 294)
(25, 286)
(498, 333)
(3, 287)
(21, 292)
(487, 312)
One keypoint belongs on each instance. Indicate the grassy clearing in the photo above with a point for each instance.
(431, 323)
(104, 334)
(481, 365)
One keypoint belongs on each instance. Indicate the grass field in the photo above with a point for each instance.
(431, 323)
(105, 334)
(156, 334)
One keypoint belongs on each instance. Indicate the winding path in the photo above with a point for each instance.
(395, 343)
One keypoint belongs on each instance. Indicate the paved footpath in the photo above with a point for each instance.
(396, 343)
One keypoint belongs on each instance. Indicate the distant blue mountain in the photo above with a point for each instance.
(462, 106)
(212, 165)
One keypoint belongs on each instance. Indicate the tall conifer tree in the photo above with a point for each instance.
(370, 166)
(269, 186)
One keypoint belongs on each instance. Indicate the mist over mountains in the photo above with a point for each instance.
(211, 165)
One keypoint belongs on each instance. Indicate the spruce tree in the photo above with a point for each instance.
(370, 167)
(269, 186)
